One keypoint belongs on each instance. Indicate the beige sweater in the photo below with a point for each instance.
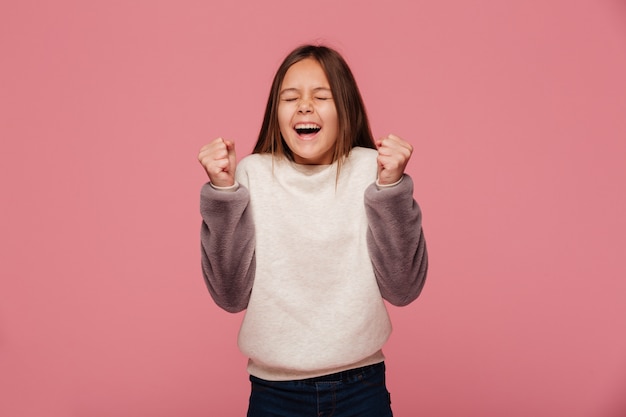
(311, 259)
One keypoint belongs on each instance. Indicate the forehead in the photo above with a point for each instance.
(305, 73)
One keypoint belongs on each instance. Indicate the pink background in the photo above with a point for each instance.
(517, 111)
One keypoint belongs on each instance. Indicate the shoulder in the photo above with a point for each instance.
(255, 160)
(259, 167)
(362, 162)
(256, 163)
(363, 154)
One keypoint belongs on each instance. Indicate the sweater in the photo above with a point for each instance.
(310, 256)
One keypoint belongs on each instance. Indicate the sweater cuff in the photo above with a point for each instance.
(381, 186)
(230, 188)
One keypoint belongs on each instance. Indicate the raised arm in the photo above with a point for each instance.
(395, 238)
(227, 233)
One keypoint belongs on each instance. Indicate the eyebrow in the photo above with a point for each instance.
(295, 90)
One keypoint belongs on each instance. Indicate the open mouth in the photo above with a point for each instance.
(307, 129)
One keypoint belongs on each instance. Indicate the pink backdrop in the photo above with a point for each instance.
(517, 111)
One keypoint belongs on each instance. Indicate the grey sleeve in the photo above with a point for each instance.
(227, 238)
(395, 241)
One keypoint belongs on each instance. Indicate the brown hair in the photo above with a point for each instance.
(353, 125)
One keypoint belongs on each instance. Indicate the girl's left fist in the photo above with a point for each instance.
(393, 155)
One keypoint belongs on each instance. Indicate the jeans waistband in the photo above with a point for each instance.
(350, 374)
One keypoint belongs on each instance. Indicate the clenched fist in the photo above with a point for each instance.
(219, 161)
(393, 155)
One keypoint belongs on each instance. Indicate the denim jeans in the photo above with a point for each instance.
(357, 392)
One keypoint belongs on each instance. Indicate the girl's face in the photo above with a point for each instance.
(307, 115)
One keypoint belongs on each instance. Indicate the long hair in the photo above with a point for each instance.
(353, 125)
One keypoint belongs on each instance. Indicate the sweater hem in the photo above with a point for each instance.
(269, 373)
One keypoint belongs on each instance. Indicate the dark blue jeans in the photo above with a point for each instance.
(357, 392)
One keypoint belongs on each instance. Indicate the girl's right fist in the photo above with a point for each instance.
(219, 161)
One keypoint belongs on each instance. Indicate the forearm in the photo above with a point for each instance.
(227, 237)
(396, 241)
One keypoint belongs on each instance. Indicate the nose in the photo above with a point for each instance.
(304, 106)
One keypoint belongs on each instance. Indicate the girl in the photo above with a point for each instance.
(309, 234)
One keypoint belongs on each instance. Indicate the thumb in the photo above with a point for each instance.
(380, 165)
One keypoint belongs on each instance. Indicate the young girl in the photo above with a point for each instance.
(309, 234)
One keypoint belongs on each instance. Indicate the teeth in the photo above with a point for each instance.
(308, 126)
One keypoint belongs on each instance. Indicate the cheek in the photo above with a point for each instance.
(284, 117)
(331, 111)
(331, 119)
